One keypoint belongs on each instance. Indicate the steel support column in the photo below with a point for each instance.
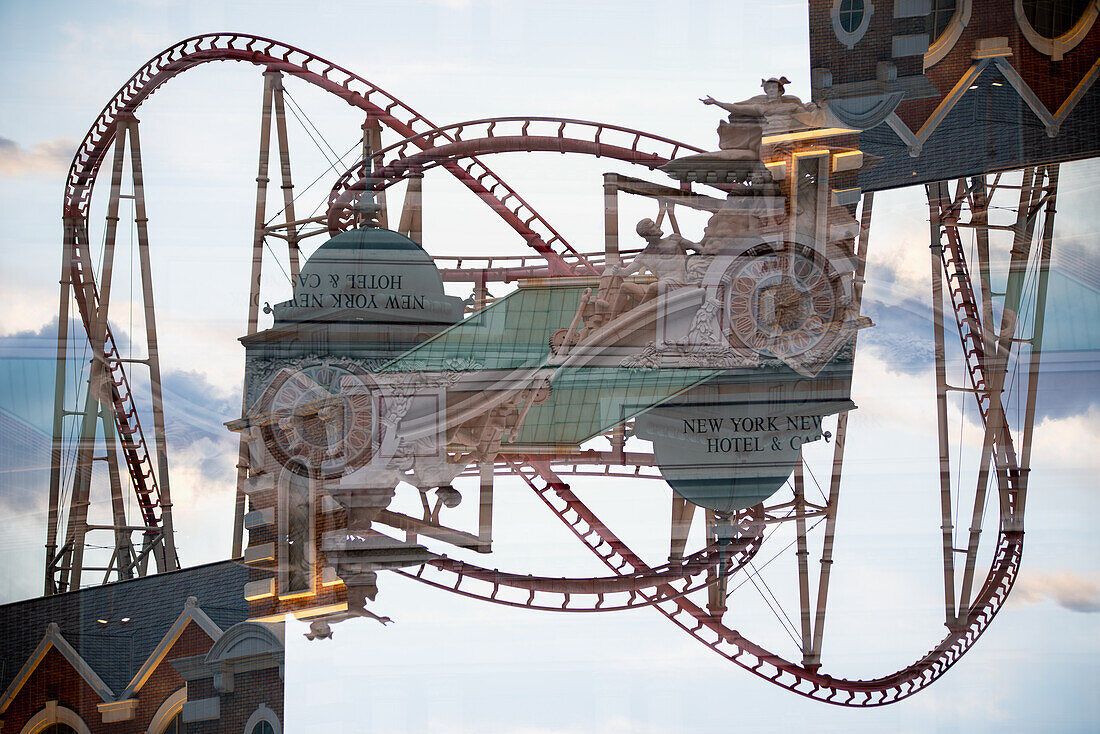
(259, 230)
(938, 201)
(814, 660)
(166, 556)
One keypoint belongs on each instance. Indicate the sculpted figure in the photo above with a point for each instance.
(705, 329)
(780, 112)
(665, 257)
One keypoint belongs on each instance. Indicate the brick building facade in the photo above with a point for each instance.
(948, 88)
(162, 654)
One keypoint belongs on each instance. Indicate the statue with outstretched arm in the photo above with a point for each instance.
(779, 111)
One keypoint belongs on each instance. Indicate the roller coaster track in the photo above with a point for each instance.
(712, 632)
(444, 147)
(729, 643)
(462, 140)
(560, 594)
(968, 318)
(589, 463)
(337, 80)
(139, 464)
(273, 55)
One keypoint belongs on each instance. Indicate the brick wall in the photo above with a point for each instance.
(54, 679)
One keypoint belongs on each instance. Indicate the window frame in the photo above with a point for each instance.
(942, 44)
(851, 38)
(167, 711)
(1057, 47)
(263, 713)
(285, 475)
(51, 714)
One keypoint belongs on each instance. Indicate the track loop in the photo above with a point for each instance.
(729, 643)
(453, 144)
(276, 56)
(355, 90)
(596, 594)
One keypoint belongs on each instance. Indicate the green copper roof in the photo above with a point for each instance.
(514, 333)
(589, 401)
(369, 275)
(369, 238)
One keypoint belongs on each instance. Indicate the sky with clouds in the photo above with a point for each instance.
(455, 665)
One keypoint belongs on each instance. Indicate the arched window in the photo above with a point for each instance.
(175, 726)
(168, 718)
(850, 19)
(54, 719)
(945, 22)
(939, 18)
(1053, 27)
(1054, 18)
(263, 721)
(296, 530)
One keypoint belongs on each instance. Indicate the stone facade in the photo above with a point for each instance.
(971, 90)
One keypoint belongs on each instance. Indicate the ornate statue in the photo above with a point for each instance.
(780, 112)
(665, 257)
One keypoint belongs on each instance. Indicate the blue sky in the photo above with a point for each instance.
(450, 664)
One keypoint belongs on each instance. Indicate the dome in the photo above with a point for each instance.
(711, 460)
(735, 444)
(370, 275)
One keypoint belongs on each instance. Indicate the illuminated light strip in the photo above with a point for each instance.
(825, 132)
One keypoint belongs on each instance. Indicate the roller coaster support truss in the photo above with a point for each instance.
(555, 255)
(988, 348)
(109, 401)
(273, 105)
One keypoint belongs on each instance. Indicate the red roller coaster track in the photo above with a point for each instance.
(444, 146)
(451, 143)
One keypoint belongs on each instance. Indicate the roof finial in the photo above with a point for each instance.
(366, 207)
(368, 211)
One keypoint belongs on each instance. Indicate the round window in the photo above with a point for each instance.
(851, 15)
(1055, 27)
(939, 17)
(1054, 18)
(851, 19)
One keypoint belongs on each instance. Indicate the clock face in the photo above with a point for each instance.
(315, 412)
(783, 303)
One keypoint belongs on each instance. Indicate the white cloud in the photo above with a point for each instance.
(33, 310)
(203, 500)
(1065, 588)
(452, 4)
(1068, 443)
(50, 157)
